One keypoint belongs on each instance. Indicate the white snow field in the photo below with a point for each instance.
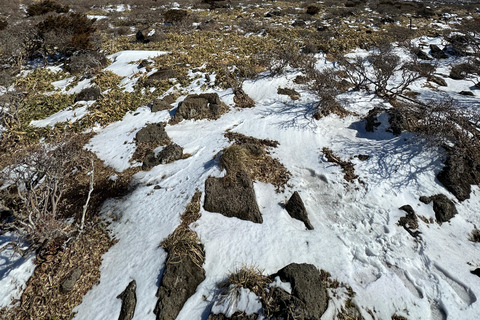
(355, 238)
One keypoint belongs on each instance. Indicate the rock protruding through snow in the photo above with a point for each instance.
(183, 270)
(307, 287)
(152, 133)
(200, 106)
(232, 196)
(170, 153)
(296, 209)
(443, 207)
(129, 301)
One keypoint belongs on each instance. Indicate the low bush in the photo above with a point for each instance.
(46, 6)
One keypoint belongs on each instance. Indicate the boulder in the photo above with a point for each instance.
(179, 282)
(89, 94)
(232, 196)
(476, 272)
(438, 80)
(437, 53)
(299, 23)
(200, 106)
(420, 54)
(371, 120)
(69, 282)
(129, 301)
(467, 93)
(308, 287)
(459, 173)
(160, 105)
(153, 132)
(162, 74)
(296, 209)
(443, 207)
(170, 153)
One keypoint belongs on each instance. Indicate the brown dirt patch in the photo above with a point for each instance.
(347, 166)
(42, 298)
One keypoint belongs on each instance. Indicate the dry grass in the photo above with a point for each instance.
(251, 155)
(248, 277)
(183, 242)
(42, 298)
(347, 166)
(192, 212)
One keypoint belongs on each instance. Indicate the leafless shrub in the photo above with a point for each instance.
(38, 182)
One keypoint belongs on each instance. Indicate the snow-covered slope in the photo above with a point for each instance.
(356, 236)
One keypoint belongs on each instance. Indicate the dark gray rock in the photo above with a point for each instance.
(420, 54)
(129, 301)
(437, 53)
(235, 316)
(307, 286)
(200, 106)
(438, 80)
(443, 207)
(299, 23)
(89, 94)
(179, 282)
(162, 74)
(363, 157)
(160, 105)
(410, 221)
(371, 120)
(296, 209)
(170, 153)
(153, 132)
(467, 93)
(139, 36)
(476, 272)
(69, 282)
(232, 196)
(459, 173)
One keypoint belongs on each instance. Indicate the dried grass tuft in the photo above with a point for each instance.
(249, 277)
(184, 243)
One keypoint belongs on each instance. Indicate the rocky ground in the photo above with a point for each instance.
(239, 160)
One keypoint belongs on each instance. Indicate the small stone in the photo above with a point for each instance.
(68, 284)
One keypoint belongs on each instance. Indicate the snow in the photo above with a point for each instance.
(237, 300)
(122, 61)
(356, 237)
(15, 271)
(115, 143)
(68, 114)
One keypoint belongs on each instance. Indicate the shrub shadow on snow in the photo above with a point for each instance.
(9, 259)
(379, 133)
(295, 114)
(402, 161)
